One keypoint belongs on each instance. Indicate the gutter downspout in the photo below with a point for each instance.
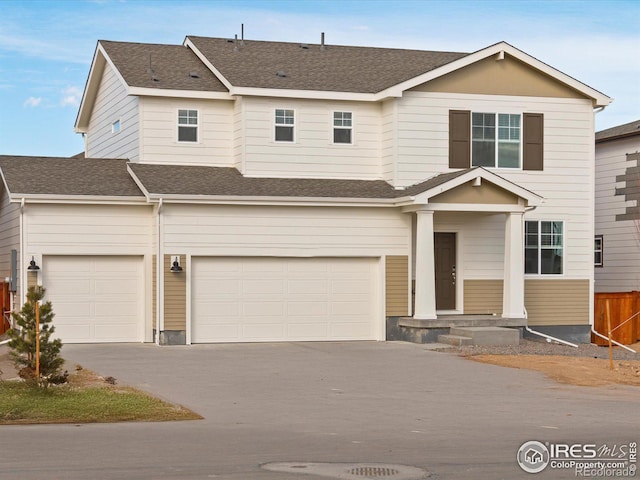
(612, 341)
(549, 337)
(160, 277)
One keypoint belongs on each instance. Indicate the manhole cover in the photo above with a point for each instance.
(350, 471)
(374, 472)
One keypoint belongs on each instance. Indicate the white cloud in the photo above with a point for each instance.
(32, 102)
(71, 97)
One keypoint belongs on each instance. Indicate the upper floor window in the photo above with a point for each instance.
(187, 125)
(115, 126)
(598, 251)
(342, 127)
(285, 124)
(543, 247)
(495, 140)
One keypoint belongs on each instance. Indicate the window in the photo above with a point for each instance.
(342, 127)
(495, 140)
(115, 126)
(598, 251)
(543, 248)
(502, 140)
(285, 123)
(187, 125)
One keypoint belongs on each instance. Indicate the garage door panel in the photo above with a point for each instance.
(284, 299)
(96, 298)
(312, 287)
(72, 332)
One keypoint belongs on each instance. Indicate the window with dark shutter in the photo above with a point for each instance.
(459, 139)
(532, 148)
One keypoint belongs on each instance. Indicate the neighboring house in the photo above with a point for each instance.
(617, 233)
(279, 191)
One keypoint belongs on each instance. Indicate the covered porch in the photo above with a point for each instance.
(468, 243)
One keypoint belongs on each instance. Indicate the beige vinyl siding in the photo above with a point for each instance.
(313, 154)
(557, 302)
(388, 141)
(506, 77)
(397, 285)
(154, 291)
(565, 183)
(112, 103)
(175, 297)
(238, 135)
(285, 231)
(88, 229)
(9, 233)
(621, 270)
(159, 134)
(483, 297)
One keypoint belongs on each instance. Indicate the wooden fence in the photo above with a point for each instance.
(621, 307)
(5, 306)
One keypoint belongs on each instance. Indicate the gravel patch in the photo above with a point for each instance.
(542, 347)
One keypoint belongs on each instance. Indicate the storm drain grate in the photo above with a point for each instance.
(374, 472)
(350, 471)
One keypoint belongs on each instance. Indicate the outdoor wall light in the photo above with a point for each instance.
(175, 265)
(33, 266)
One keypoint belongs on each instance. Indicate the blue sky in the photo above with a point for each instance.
(46, 47)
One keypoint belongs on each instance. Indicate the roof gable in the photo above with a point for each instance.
(55, 176)
(504, 75)
(335, 68)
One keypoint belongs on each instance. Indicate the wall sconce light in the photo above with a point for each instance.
(33, 266)
(175, 265)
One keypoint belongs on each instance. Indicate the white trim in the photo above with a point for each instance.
(539, 249)
(116, 126)
(350, 128)
(188, 279)
(189, 44)
(179, 125)
(167, 92)
(285, 125)
(480, 172)
(82, 199)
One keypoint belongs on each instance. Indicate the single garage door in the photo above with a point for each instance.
(95, 299)
(284, 299)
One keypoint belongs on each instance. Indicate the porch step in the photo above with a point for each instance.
(455, 340)
(498, 336)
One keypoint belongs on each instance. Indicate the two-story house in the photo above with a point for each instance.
(241, 191)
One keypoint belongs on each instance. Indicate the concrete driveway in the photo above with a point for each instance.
(393, 403)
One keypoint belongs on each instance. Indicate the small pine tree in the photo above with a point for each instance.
(23, 339)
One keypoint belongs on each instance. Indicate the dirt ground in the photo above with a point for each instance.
(583, 371)
(585, 366)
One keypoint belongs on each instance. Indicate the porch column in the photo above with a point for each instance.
(513, 288)
(425, 268)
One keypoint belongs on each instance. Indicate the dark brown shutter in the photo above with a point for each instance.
(532, 149)
(459, 139)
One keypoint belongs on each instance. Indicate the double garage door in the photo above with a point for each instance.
(284, 299)
(248, 299)
(95, 299)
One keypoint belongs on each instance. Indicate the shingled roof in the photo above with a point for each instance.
(67, 176)
(173, 67)
(308, 67)
(187, 180)
(613, 133)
